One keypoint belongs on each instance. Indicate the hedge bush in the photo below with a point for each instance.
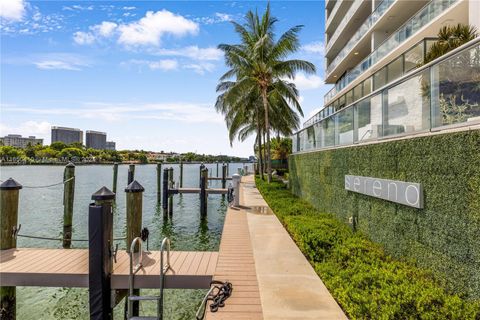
(444, 236)
(365, 281)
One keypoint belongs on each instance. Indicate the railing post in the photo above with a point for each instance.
(236, 189)
(115, 176)
(100, 254)
(134, 192)
(9, 190)
(170, 186)
(203, 192)
(159, 184)
(131, 173)
(165, 191)
(68, 196)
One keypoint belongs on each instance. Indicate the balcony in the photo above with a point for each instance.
(441, 95)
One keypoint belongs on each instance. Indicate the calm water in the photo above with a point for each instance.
(41, 214)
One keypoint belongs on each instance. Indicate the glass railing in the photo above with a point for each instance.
(353, 8)
(422, 18)
(371, 20)
(437, 96)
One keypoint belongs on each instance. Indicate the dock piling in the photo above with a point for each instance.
(115, 176)
(236, 189)
(131, 173)
(224, 176)
(9, 190)
(170, 186)
(68, 196)
(159, 185)
(165, 192)
(134, 192)
(217, 169)
(181, 174)
(202, 166)
(203, 192)
(101, 254)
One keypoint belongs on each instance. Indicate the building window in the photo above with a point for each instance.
(395, 69)
(367, 86)
(414, 57)
(379, 79)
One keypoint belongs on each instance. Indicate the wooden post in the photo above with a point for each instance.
(159, 185)
(131, 173)
(134, 192)
(170, 186)
(9, 190)
(181, 174)
(68, 195)
(115, 176)
(217, 169)
(224, 176)
(165, 192)
(202, 166)
(203, 192)
(101, 254)
(228, 169)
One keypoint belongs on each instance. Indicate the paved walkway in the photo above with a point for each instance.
(271, 277)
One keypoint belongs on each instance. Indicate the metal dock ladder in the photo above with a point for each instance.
(134, 269)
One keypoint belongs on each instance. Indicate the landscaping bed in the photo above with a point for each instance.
(365, 281)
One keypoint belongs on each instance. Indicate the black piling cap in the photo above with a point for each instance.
(103, 194)
(134, 187)
(10, 184)
(70, 165)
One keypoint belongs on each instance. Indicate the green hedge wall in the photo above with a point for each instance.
(444, 236)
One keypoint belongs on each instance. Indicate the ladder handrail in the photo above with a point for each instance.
(133, 271)
(163, 270)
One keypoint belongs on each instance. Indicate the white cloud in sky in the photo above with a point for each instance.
(193, 52)
(164, 65)
(12, 10)
(218, 17)
(200, 67)
(59, 61)
(307, 82)
(40, 129)
(105, 29)
(314, 47)
(150, 29)
(83, 38)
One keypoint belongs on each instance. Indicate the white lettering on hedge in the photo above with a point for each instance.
(406, 193)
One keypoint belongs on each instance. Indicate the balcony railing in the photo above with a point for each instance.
(353, 8)
(440, 95)
(371, 20)
(334, 11)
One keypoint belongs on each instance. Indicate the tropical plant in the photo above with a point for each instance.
(261, 77)
(281, 148)
(449, 38)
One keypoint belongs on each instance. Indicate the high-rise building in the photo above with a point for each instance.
(16, 140)
(376, 58)
(67, 135)
(96, 139)
(110, 145)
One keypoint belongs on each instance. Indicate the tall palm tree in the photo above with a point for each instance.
(259, 66)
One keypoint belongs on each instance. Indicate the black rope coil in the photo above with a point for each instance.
(223, 292)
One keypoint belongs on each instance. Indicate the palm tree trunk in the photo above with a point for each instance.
(259, 140)
(267, 131)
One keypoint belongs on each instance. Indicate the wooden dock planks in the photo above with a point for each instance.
(69, 268)
(236, 265)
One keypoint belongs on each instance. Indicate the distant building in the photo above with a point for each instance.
(16, 140)
(96, 140)
(110, 145)
(67, 135)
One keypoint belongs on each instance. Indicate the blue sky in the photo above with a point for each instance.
(144, 72)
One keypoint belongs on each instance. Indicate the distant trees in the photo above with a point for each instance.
(257, 95)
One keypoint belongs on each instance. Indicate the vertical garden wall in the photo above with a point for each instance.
(444, 236)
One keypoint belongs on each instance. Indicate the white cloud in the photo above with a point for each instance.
(177, 111)
(39, 129)
(307, 82)
(60, 61)
(218, 17)
(83, 38)
(201, 67)
(314, 47)
(12, 10)
(165, 65)
(129, 8)
(56, 65)
(223, 17)
(150, 29)
(193, 52)
(105, 29)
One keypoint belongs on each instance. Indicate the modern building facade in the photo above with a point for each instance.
(67, 135)
(374, 57)
(110, 145)
(16, 140)
(96, 139)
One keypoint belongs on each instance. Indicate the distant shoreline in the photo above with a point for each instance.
(111, 163)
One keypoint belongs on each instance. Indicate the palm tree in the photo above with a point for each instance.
(260, 68)
(449, 38)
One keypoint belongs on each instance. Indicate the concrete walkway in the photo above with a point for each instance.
(289, 287)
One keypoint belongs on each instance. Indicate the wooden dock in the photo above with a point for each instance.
(197, 190)
(236, 264)
(69, 268)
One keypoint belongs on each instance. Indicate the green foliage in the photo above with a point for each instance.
(443, 236)
(9, 152)
(71, 152)
(143, 158)
(281, 148)
(366, 282)
(59, 146)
